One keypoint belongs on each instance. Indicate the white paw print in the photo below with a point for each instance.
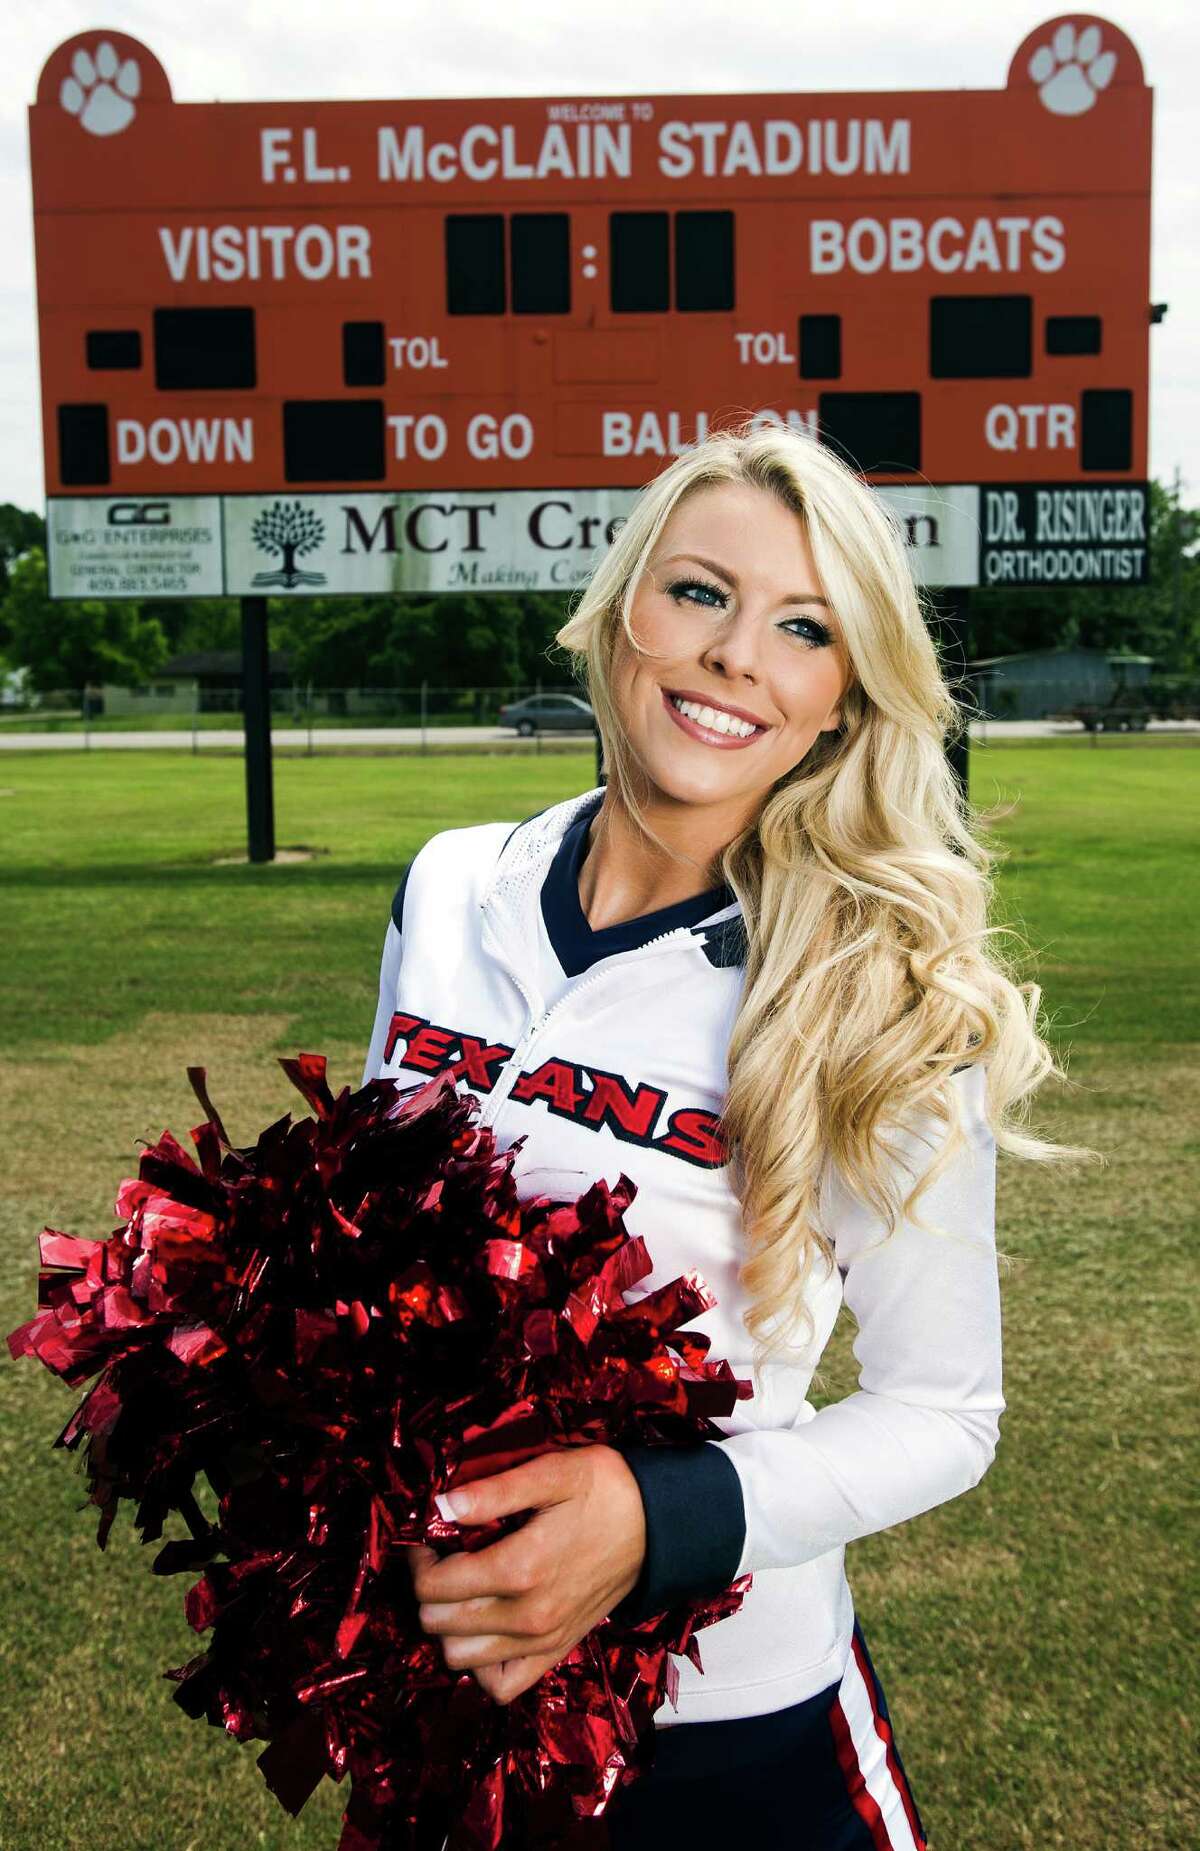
(1072, 70)
(100, 90)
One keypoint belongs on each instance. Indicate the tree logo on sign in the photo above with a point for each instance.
(290, 531)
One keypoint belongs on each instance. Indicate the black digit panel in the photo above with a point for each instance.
(541, 263)
(639, 262)
(1106, 440)
(1072, 334)
(83, 445)
(820, 347)
(113, 349)
(704, 260)
(362, 353)
(875, 432)
(204, 349)
(980, 337)
(475, 264)
(333, 440)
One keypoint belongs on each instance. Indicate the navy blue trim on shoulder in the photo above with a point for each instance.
(398, 901)
(725, 944)
(695, 1526)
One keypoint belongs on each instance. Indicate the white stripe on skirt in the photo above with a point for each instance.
(874, 1779)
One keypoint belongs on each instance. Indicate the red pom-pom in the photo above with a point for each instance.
(332, 1327)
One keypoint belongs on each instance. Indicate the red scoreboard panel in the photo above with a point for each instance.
(391, 298)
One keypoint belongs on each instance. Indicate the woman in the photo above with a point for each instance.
(751, 971)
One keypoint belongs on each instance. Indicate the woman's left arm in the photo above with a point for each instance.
(922, 1428)
(923, 1425)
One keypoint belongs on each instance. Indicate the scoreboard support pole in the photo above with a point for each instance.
(952, 634)
(256, 715)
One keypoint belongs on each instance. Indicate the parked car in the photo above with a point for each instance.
(1126, 710)
(547, 713)
(1112, 719)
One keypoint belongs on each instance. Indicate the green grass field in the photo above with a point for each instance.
(1030, 1636)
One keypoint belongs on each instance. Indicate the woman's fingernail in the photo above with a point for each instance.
(452, 1505)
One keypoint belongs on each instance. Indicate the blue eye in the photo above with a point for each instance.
(820, 636)
(681, 590)
(697, 584)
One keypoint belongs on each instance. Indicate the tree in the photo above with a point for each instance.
(70, 644)
(452, 641)
(333, 642)
(197, 623)
(455, 640)
(537, 619)
(20, 529)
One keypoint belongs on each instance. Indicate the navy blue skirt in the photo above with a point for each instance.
(824, 1775)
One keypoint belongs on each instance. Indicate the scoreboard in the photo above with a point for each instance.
(386, 345)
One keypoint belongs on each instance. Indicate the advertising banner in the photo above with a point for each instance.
(134, 547)
(464, 540)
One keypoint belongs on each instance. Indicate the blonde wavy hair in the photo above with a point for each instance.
(864, 882)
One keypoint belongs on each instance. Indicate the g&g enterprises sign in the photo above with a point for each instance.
(135, 547)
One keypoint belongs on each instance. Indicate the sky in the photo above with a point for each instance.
(263, 50)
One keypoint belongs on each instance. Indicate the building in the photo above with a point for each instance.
(198, 681)
(1037, 684)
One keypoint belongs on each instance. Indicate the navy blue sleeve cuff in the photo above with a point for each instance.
(695, 1526)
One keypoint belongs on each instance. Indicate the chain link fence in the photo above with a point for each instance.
(518, 718)
(425, 718)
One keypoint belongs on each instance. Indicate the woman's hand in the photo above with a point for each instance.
(512, 1611)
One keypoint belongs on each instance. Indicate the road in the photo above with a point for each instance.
(328, 736)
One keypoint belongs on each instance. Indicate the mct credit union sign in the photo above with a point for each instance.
(323, 347)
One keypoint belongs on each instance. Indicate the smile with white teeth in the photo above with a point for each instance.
(713, 717)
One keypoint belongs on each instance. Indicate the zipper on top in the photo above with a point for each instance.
(511, 1070)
